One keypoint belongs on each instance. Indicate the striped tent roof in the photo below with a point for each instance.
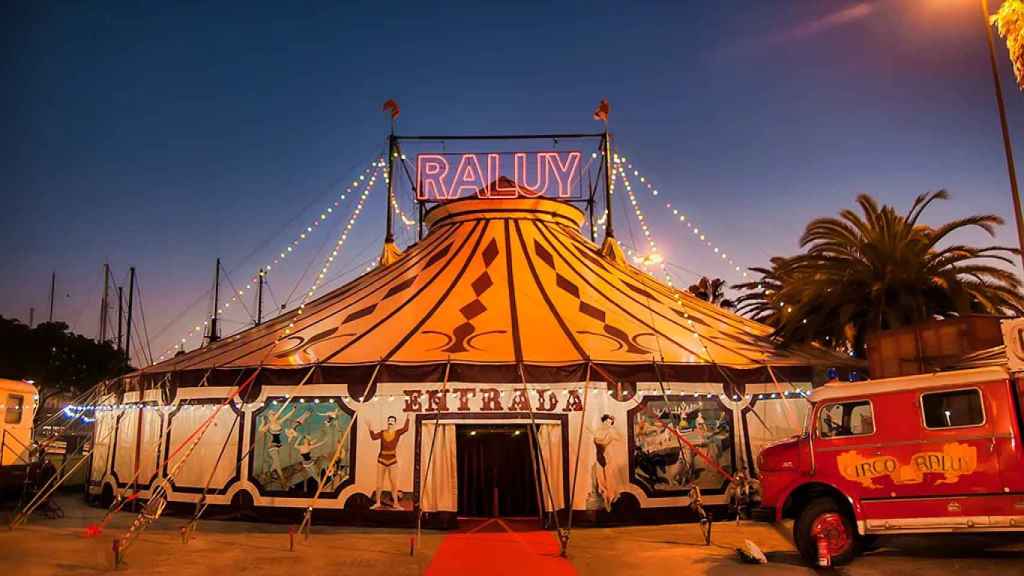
(494, 286)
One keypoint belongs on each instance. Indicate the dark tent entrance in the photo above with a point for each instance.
(496, 475)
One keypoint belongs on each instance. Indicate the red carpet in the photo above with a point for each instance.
(498, 546)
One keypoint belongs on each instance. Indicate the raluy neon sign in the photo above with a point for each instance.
(533, 175)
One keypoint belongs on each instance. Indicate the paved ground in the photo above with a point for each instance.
(220, 548)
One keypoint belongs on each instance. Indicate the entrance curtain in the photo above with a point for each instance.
(439, 489)
(549, 437)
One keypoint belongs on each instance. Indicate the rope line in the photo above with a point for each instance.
(307, 520)
(540, 454)
(430, 455)
(579, 451)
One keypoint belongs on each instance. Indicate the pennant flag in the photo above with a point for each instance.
(392, 106)
(602, 111)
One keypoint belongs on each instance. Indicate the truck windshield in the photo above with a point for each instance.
(840, 419)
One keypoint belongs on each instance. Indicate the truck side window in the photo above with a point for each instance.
(12, 415)
(953, 408)
(842, 419)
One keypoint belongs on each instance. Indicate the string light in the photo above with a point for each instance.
(337, 248)
(652, 257)
(282, 254)
(408, 222)
(682, 218)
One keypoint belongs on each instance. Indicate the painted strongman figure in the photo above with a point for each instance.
(387, 459)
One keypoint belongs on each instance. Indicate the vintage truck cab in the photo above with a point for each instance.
(917, 454)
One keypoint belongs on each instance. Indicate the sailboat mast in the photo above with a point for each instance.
(104, 303)
(128, 323)
(214, 333)
(53, 285)
(120, 315)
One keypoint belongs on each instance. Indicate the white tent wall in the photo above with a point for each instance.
(103, 441)
(195, 471)
(274, 462)
(140, 422)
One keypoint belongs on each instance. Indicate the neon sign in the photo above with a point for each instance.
(441, 177)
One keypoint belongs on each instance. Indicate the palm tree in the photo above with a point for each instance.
(713, 291)
(880, 270)
(1009, 21)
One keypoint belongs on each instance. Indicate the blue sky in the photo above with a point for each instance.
(165, 135)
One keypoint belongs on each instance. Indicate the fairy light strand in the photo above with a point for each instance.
(653, 256)
(681, 217)
(317, 222)
(322, 274)
(406, 220)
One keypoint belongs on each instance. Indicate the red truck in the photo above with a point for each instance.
(918, 454)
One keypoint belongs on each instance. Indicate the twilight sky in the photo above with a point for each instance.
(164, 135)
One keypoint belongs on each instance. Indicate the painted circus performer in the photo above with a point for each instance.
(305, 446)
(387, 459)
(273, 423)
(605, 464)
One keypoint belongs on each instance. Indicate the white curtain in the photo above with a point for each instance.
(549, 436)
(440, 488)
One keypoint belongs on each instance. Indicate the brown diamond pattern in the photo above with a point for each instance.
(464, 332)
(594, 312)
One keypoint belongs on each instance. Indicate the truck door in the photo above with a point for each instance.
(1008, 440)
(954, 472)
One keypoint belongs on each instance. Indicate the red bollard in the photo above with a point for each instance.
(412, 546)
(116, 546)
(291, 539)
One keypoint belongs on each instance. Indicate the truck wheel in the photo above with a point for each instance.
(823, 516)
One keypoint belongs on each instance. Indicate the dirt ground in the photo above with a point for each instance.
(231, 547)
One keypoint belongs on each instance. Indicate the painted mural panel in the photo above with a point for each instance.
(605, 446)
(661, 464)
(294, 445)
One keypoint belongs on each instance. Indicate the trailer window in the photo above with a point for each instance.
(952, 409)
(843, 419)
(12, 414)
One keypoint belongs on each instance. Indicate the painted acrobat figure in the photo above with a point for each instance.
(292, 432)
(305, 446)
(387, 459)
(274, 424)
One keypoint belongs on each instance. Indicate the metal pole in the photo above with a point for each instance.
(259, 298)
(389, 237)
(128, 325)
(590, 208)
(1007, 147)
(53, 284)
(420, 223)
(606, 144)
(578, 135)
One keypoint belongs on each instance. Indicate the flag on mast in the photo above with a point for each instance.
(391, 106)
(602, 111)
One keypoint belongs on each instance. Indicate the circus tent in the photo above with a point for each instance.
(639, 389)
(494, 285)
